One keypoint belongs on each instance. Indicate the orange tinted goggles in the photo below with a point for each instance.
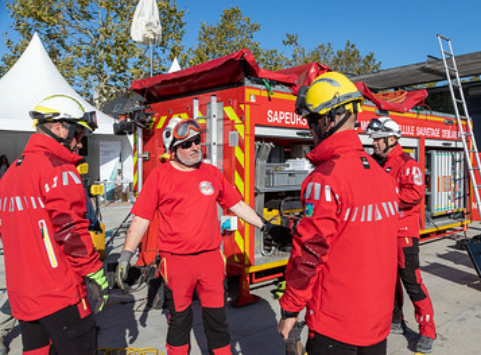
(182, 129)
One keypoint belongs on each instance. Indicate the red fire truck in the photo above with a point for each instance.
(254, 137)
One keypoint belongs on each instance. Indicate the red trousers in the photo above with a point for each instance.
(204, 272)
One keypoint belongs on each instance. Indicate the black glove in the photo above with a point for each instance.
(279, 234)
(294, 343)
(99, 289)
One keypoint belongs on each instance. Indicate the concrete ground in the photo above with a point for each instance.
(448, 273)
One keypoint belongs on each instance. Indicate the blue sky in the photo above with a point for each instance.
(398, 32)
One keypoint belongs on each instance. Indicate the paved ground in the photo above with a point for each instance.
(448, 273)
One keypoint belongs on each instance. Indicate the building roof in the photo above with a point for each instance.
(421, 73)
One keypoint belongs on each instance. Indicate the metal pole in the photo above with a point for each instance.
(151, 59)
(140, 172)
(213, 116)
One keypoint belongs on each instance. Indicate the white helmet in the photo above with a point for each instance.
(63, 108)
(178, 131)
(167, 134)
(383, 127)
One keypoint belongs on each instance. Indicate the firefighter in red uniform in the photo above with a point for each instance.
(48, 249)
(408, 174)
(184, 193)
(343, 260)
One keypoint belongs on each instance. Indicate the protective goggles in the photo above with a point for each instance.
(374, 126)
(301, 106)
(188, 144)
(183, 129)
(90, 118)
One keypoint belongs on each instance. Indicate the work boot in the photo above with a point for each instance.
(425, 344)
(397, 328)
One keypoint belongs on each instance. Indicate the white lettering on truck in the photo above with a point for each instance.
(286, 117)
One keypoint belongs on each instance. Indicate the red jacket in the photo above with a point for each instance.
(408, 174)
(343, 262)
(48, 250)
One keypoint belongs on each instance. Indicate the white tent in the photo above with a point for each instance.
(31, 79)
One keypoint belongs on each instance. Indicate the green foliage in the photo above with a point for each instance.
(233, 32)
(348, 60)
(89, 41)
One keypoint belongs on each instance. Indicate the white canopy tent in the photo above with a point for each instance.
(31, 79)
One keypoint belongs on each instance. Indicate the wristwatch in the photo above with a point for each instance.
(286, 314)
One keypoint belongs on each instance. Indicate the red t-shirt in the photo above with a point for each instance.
(186, 203)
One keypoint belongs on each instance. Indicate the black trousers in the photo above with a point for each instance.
(68, 333)
(322, 345)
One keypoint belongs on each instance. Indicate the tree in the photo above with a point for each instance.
(234, 32)
(89, 41)
(349, 60)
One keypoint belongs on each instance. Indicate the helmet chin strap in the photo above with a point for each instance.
(386, 143)
(331, 116)
(64, 141)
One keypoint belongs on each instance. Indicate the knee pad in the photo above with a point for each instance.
(216, 328)
(413, 286)
(180, 323)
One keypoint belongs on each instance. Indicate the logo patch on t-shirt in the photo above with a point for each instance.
(206, 188)
(309, 209)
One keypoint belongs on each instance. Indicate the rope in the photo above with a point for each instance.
(394, 97)
(129, 351)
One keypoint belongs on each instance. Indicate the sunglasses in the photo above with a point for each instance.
(188, 144)
(182, 129)
(313, 120)
(80, 131)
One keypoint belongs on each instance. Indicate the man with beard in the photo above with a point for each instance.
(184, 193)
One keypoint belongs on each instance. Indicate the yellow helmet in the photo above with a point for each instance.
(332, 90)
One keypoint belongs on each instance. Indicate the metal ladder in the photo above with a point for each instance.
(212, 127)
(457, 95)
